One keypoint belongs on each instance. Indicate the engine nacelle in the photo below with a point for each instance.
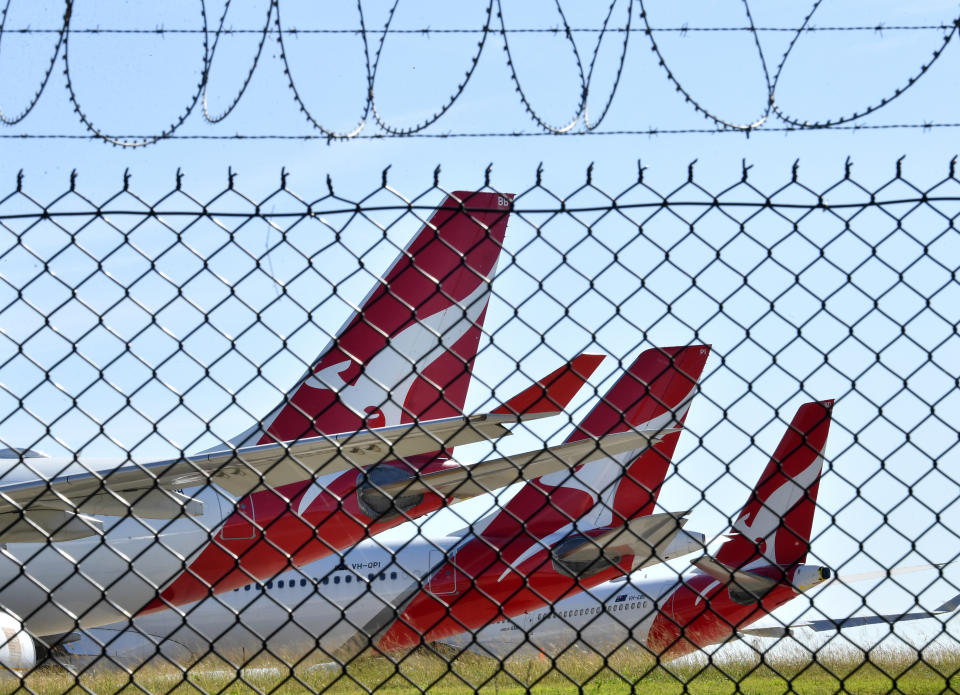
(591, 565)
(18, 651)
(684, 543)
(808, 576)
(374, 503)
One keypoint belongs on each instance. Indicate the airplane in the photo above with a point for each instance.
(91, 543)
(324, 603)
(758, 569)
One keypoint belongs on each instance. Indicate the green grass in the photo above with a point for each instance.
(780, 671)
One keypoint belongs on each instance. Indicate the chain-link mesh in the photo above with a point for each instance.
(220, 416)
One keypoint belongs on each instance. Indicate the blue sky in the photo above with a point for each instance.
(142, 83)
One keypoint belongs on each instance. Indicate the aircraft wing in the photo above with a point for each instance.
(43, 499)
(856, 621)
(464, 481)
(645, 537)
(151, 488)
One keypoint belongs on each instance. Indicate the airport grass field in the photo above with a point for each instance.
(836, 670)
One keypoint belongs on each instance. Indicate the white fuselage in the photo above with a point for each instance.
(322, 605)
(603, 619)
(54, 588)
(319, 605)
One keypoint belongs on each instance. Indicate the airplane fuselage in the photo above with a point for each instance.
(56, 587)
(320, 606)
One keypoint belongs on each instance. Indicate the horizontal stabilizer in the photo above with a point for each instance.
(464, 481)
(744, 582)
(885, 573)
(552, 393)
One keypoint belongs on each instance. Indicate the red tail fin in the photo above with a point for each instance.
(654, 393)
(637, 493)
(408, 352)
(774, 526)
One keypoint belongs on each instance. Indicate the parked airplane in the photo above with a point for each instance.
(760, 568)
(89, 544)
(567, 523)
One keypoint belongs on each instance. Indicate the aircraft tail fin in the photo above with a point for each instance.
(407, 353)
(774, 526)
(652, 396)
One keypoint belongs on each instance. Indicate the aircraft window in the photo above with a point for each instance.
(393, 575)
(383, 575)
(237, 589)
(336, 580)
(633, 606)
(246, 588)
(303, 582)
(325, 580)
(269, 585)
(280, 584)
(348, 579)
(370, 577)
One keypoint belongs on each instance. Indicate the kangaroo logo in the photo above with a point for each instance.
(764, 519)
(380, 389)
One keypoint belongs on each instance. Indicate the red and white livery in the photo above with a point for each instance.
(88, 544)
(758, 569)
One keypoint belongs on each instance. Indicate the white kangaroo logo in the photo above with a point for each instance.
(387, 378)
(768, 520)
(329, 378)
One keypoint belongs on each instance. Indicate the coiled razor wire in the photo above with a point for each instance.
(273, 27)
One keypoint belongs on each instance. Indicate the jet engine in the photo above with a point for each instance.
(18, 650)
(374, 502)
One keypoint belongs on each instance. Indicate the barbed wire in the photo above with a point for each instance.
(649, 132)
(427, 30)
(493, 23)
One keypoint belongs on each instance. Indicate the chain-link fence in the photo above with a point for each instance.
(220, 416)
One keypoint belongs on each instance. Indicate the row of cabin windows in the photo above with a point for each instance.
(291, 583)
(593, 611)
